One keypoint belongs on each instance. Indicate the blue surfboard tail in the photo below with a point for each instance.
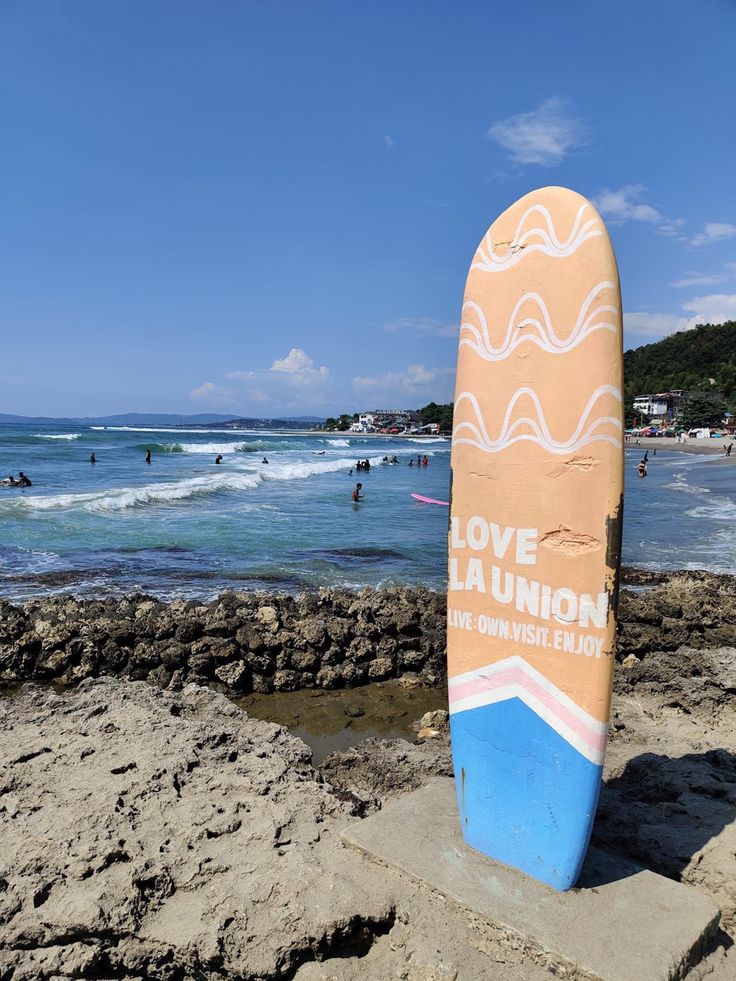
(526, 797)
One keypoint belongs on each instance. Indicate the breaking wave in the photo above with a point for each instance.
(160, 447)
(57, 436)
(121, 498)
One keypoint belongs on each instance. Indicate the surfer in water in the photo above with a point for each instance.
(357, 496)
(92, 458)
(22, 480)
(218, 458)
(264, 460)
(10, 481)
(148, 456)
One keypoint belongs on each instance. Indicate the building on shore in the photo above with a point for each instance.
(386, 420)
(660, 407)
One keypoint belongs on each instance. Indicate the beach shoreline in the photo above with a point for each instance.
(712, 447)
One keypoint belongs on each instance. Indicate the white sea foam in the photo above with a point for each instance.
(121, 498)
(238, 447)
(717, 509)
(427, 439)
(681, 484)
(338, 442)
(56, 435)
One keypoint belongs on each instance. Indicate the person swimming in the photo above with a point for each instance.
(218, 458)
(357, 496)
(92, 458)
(22, 480)
(148, 456)
(10, 481)
(264, 460)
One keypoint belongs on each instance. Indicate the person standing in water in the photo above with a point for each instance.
(357, 496)
(92, 458)
(22, 480)
(218, 458)
(148, 456)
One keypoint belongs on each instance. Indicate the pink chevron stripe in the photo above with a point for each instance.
(516, 676)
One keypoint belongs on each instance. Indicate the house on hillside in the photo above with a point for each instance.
(660, 407)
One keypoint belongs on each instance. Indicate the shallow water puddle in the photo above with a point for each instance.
(328, 721)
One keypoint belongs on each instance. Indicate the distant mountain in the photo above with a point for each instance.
(702, 359)
(122, 419)
(161, 419)
(290, 422)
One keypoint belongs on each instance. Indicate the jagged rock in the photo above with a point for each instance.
(369, 635)
(381, 668)
(233, 675)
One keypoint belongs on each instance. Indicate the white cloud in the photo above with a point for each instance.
(543, 136)
(426, 326)
(209, 392)
(625, 204)
(388, 142)
(653, 326)
(699, 279)
(715, 308)
(713, 231)
(417, 380)
(296, 368)
(293, 383)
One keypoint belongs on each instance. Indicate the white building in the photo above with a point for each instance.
(651, 405)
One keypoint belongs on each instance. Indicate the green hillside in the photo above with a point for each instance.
(686, 360)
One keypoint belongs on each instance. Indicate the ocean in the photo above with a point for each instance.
(183, 527)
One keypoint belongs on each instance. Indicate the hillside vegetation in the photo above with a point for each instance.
(687, 360)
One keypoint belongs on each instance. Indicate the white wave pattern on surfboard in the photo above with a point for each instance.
(476, 336)
(535, 239)
(513, 677)
(598, 429)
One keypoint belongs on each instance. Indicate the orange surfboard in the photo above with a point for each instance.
(535, 532)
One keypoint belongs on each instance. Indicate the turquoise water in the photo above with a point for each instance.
(182, 526)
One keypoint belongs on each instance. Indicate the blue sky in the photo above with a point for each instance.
(270, 207)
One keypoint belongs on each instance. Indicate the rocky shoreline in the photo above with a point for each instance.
(250, 642)
(152, 833)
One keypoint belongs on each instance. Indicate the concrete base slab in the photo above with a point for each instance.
(621, 922)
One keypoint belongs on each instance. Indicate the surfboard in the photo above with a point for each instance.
(429, 500)
(534, 533)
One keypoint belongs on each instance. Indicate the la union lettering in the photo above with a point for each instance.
(526, 595)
